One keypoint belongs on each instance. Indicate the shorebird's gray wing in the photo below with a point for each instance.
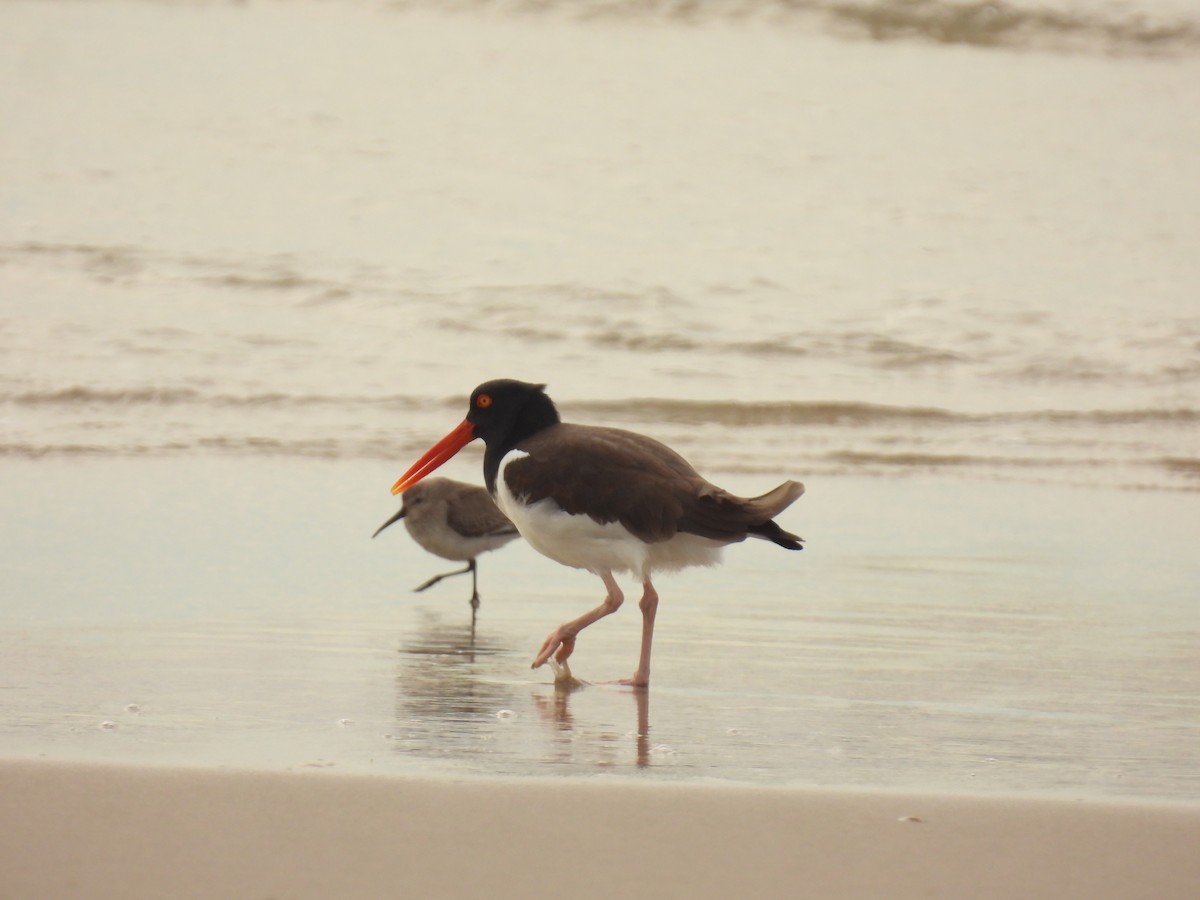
(473, 513)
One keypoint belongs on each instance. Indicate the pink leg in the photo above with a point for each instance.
(564, 635)
(648, 606)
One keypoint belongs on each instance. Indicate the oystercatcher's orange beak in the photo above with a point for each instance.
(435, 456)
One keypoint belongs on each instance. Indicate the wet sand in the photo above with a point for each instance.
(105, 832)
(194, 710)
(934, 635)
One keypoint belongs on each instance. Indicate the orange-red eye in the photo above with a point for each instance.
(483, 401)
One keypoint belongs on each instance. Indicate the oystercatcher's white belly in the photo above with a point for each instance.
(581, 542)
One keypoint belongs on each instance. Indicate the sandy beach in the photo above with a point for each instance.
(260, 739)
(253, 258)
(90, 831)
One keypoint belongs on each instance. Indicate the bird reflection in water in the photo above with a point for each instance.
(555, 710)
(454, 701)
(441, 669)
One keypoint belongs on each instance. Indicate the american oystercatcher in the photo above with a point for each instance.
(453, 520)
(601, 499)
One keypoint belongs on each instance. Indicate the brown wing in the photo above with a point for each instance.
(608, 474)
(613, 475)
(473, 513)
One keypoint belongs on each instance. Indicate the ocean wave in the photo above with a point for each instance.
(989, 23)
(840, 413)
(1137, 448)
(90, 396)
(1188, 466)
(1168, 415)
(1171, 473)
(244, 365)
(980, 23)
(646, 320)
(631, 409)
(80, 395)
(859, 459)
(740, 414)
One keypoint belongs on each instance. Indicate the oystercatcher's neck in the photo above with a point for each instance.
(530, 413)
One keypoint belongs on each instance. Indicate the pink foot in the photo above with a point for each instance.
(634, 681)
(558, 640)
(567, 648)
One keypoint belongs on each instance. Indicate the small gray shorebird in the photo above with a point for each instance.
(601, 499)
(455, 521)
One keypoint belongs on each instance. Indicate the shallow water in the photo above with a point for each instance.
(999, 639)
(953, 289)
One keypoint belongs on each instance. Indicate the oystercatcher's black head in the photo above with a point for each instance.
(502, 412)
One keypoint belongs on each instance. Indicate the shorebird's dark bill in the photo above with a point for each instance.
(435, 456)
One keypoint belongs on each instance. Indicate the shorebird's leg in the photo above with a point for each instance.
(649, 606)
(562, 638)
(474, 590)
(469, 567)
